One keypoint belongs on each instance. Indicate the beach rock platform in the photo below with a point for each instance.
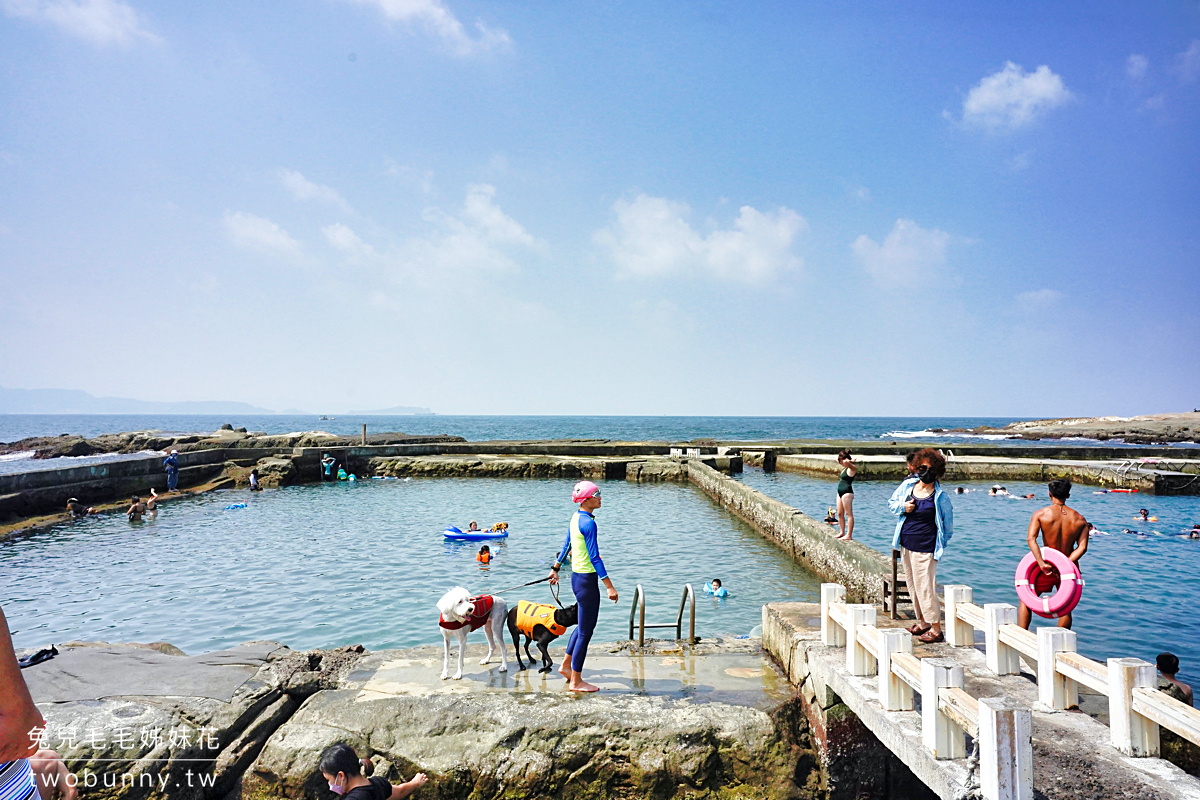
(136, 721)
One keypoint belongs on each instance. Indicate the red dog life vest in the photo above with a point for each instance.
(530, 614)
(479, 615)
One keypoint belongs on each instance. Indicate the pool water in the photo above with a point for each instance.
(334, 564)
(1141, 588)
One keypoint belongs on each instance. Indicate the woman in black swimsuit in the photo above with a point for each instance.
(845, 498)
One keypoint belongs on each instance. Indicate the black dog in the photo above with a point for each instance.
(542, 624)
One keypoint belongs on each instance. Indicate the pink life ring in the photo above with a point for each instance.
(1031, 581)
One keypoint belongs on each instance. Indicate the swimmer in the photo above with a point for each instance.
(716, 589)
(341, 474)
(1062, 528)
(1194, 533)
(473, 526)
(136, 509)
(1026, 496)
(77, 509)
(327, 463)
(831, 516)
(960, 490)
(998, 491)
(1143, 515)
(845, 495)
(152, 503)
(485, 555)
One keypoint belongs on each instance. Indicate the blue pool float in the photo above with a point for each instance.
(236, 505)
(454, 534)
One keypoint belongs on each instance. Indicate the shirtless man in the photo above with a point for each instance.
(1062, 528)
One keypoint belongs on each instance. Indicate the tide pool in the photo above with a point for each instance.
(1140, 590)
(334, 564)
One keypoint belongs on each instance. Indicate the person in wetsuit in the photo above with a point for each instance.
(845, 495)
(586, 571)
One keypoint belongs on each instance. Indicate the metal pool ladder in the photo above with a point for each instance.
(639, 608)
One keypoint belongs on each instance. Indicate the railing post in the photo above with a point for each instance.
(1005, 749)
(859, 660)
(894, 693)
(1131, 733)
(1001, 659)
(958, 633)
(831, 633)
(692, 615)
(939, 733)
(1054, 690)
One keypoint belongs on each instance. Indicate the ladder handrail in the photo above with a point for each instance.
(639, 608)
(639, 601)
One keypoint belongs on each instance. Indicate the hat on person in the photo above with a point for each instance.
(583, 490)
(174, 452)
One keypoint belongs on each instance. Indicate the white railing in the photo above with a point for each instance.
(1136, 709)
(1002, 728)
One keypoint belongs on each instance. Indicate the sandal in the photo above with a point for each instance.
(929, 637)
(916, 629)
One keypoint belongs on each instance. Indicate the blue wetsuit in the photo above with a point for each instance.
(586, 572)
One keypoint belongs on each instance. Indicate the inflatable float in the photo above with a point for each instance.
(454, 534)
(1066, 581)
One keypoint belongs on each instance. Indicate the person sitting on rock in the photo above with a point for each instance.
(343, 772)
(1168, 668)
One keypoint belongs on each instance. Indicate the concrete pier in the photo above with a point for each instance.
(1072, 755)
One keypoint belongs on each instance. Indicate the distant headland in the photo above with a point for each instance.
(1145, 429)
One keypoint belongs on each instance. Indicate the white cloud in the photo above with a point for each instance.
(652, 238)
(1012, 98)
(1187, 63)
(908, 253)
(102, 22)
(342, 237)
(1038, 300)
(260, 235)
(304, 189)
(482, 238)
(438, 20)
(1136, 66)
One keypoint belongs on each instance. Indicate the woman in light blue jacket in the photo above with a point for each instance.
(925, 526)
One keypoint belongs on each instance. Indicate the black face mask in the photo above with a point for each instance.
(925, 474)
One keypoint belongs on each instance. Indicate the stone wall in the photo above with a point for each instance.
(811, 543)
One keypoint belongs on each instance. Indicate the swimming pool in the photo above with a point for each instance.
(334, 564)
(1140, 590)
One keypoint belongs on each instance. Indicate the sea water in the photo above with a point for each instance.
(336, 564)
(1140, 586)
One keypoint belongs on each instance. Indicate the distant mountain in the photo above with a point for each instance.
(73, 401)
(395, 411)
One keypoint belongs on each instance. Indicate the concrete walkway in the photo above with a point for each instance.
(736, 672)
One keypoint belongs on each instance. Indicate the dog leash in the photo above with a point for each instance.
(553, 589)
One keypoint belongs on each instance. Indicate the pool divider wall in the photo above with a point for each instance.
(811, 543)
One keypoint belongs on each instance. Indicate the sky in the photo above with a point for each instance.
(985, 209)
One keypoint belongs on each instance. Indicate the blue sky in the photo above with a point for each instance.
(609, 208)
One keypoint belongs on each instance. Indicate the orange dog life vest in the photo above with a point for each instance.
(530, 614)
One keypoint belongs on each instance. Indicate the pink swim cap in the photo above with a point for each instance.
(584, 490)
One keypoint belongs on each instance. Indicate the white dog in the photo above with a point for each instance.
(460, 614)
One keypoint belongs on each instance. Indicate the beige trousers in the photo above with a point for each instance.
(920, 570)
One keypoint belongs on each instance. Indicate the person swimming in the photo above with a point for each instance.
(716, 589)
(472, 526)
(136, 509)
(485, 555)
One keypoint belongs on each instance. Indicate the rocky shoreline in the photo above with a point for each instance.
(252, 721)
(67, 444)
(1146, 429)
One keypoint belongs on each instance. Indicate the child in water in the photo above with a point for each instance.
(485, 555)
(716, 589)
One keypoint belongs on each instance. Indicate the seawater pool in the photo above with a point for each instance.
(1141, 589)
(334, 564)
